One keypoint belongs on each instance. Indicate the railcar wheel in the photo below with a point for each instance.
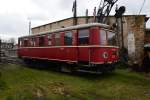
(74, 68)
(65, 68)
(68, 68)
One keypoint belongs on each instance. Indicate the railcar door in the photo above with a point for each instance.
(69, 51)
(83, 45)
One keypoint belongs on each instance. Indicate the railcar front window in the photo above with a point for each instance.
(20, 42)
(83, 37)
(111, 38)
(68, 38)
(103, 39)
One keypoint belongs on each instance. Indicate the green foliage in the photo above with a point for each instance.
(22, 83)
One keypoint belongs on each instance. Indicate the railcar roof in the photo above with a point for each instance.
(72, 28)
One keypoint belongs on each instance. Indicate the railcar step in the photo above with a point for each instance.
(92, 72)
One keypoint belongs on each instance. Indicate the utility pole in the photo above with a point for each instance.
(94, 15)
(119, 19)
(122, 36)
(74, 10)
(87, 14)
(117, 28)
(118, 15)
(29, 27)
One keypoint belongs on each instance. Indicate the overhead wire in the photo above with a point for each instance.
(142, 7)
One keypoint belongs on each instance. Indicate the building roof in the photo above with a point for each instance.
(146, 19)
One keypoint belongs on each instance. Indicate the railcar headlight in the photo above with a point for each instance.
(105, 55)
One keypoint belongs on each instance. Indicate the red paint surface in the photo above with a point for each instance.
(71, 53)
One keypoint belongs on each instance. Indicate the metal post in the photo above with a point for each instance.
(87, 15)
(94, 15)
(74, 9)
(29, 27)
(118, 42)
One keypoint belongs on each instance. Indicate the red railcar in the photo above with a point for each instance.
(91, 45)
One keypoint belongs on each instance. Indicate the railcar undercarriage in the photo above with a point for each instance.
(70, 67)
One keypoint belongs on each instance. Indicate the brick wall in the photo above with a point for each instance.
(137, 26)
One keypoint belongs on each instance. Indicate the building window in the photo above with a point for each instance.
(68, 38)
(83, 37)
(57, 39)
(49, 39)
(103, 39)
(41, 41)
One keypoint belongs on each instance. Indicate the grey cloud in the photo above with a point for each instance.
(37, 16)
(66, 4)
(47, 4)
(12, 24)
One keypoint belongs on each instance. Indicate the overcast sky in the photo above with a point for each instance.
(15, 14)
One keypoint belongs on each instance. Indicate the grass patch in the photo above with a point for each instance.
(22, 83)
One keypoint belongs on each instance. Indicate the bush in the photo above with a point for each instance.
(121, 65)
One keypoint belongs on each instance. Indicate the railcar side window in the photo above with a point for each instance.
(68, 38)
(49, 39)
(111, 38)
(41, 41)
(32, 41)
(103, 39)
(25, 43)
(57, 39)
(83, 37)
